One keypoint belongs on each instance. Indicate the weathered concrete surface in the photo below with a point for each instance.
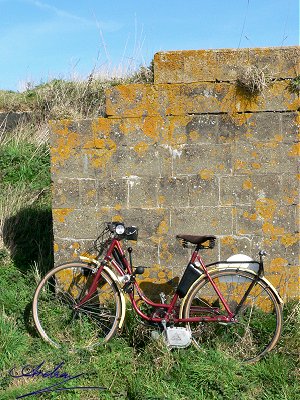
(194, 98)
(223, 65)
(10, 120)
(185, 157)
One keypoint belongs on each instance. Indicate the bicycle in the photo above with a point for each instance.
(82, 304)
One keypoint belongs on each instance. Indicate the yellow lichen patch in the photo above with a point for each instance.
(247, 184)
(227, 240)
(239, 164)
(101, 126)
(117, 218)
(251, 217)
(293, 105)
(175, 134)
(295, 150)
(290, 200)
(91, 193)
(206, 174)
(194, 136)
(161, 275)
(128, 92)
(90, 144)
(269, 229)
(118, 207)
(163, 228)
(170, 274)
(161, 200)
(102, 153)
(64, 147)
(141, 148)
(278, 263)
(165, 254)
(55, 247)
(60, 127)
(152, 126)
(75, 245)
(278, 138)
(256, 165)
(265, 208)
(289, 239)
(59, 214)
(241, 119)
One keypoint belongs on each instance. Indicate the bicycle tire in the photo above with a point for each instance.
(93, 323)
(257, 325)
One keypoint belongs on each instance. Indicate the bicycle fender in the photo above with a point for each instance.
(121, 294)
(116, 281)
(267, 282)
(212, 271)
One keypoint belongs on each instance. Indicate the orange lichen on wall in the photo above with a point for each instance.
(59, 214)
(66, 142)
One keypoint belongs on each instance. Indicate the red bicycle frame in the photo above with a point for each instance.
(171, 310)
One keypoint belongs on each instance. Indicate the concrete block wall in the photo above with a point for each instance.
(191, 153)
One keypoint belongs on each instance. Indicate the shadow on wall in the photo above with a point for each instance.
(153, 289)
(29, 237)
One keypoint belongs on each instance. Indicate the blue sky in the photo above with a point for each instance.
(46, 39)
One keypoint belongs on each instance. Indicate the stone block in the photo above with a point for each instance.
(194, 98)
(263, 127)
(267, 217)
(173, 192)
(281, 249)
(230, 245)
(65, 193)
(290, 126)
(127, 162)
(69, 250)
(142, 193)
(290, 189)
(203, 190)
(201, 128)
(113, 193)
(232, 129)
(202, 221)
(222, 64)
(152, 223)
(206, 160)
(88, 193)
(264, 158)
(75, 223)
(248, 189)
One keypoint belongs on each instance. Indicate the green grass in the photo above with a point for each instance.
(150, 371)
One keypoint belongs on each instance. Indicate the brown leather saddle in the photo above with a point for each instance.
(198, 240)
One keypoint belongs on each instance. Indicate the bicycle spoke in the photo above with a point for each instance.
(58, 321)
(257, 324)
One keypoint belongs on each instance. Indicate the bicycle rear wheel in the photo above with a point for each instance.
(54, 313)
(257, 324)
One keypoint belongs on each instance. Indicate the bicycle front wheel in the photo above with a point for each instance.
(257, 322)
(60, 323)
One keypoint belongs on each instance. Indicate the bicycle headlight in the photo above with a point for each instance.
(120, 229)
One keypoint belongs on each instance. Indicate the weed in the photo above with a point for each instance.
(254, 80)
(294, 85)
